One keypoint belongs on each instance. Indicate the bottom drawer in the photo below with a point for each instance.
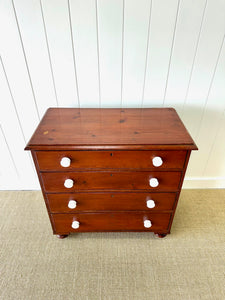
(112, 221)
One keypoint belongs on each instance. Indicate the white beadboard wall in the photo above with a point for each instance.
(112, 53)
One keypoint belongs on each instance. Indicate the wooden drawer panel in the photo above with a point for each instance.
(54, 182)
(58, 203)
(112, 221)
(50, 160)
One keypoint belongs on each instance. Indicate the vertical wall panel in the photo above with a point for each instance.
(186, 37)
(215, 166)
(110, 23)
(56, 18)
(83, 17)
(136, 21)
(17, 72)
(210, 124)
(8, 173)
(162, 26)
(112, 53)
(205, 63)
(33, 36)
(14, 137)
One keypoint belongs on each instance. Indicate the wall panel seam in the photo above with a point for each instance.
(49, 56)
(147, 49)
(171, 52)
(210, 86)
(10, 153)
(17, 116)
(13, 101)
(73, 50)
(213, 143)
(25, 59)
(122, 54)
(195, 55)
(97, 37)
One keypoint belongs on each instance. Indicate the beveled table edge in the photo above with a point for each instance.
(112, 147)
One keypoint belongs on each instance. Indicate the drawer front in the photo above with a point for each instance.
(112, 221)
(55, 182)
(70, 203)
(51, 160)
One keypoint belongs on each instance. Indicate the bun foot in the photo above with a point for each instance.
(62, 236)
(160, 235)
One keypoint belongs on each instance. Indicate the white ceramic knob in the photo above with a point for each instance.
(157, 161)
(150, 203)
(147, 223)
(153, 182)
(68, 183)
(75, 224)
(72, 204)
(65, 162)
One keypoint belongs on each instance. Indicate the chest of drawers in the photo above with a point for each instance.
(111, 169)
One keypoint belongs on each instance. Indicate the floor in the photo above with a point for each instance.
(187, 264)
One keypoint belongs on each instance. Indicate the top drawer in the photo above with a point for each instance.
(70, 160)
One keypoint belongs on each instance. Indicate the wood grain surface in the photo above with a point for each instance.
(50, 160)
(58, 203)
(111, 155)
(113, 221)
(105, 180)
(130, 128)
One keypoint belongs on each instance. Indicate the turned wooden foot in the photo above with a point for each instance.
(160, 235)
(62, 236)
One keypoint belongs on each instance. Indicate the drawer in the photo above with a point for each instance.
(55, 182)
(112, 221)
(69, 203)
(51, 160)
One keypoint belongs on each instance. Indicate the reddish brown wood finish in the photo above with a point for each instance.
(113, 221)
(50, 160)
(54, 182)
(58, 203)
(126, 129)
(180, 186)
(111, 153)
(33, 153)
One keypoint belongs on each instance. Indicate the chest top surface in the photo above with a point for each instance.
(110, 128)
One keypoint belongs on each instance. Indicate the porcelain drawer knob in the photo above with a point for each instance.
(150, 203)
(75, 224)
(72, 204)
(157, 161)
(147, 224)
(68, 183)
(65, 162)
(153, 182)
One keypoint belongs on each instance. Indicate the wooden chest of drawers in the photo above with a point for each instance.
(111, 169)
